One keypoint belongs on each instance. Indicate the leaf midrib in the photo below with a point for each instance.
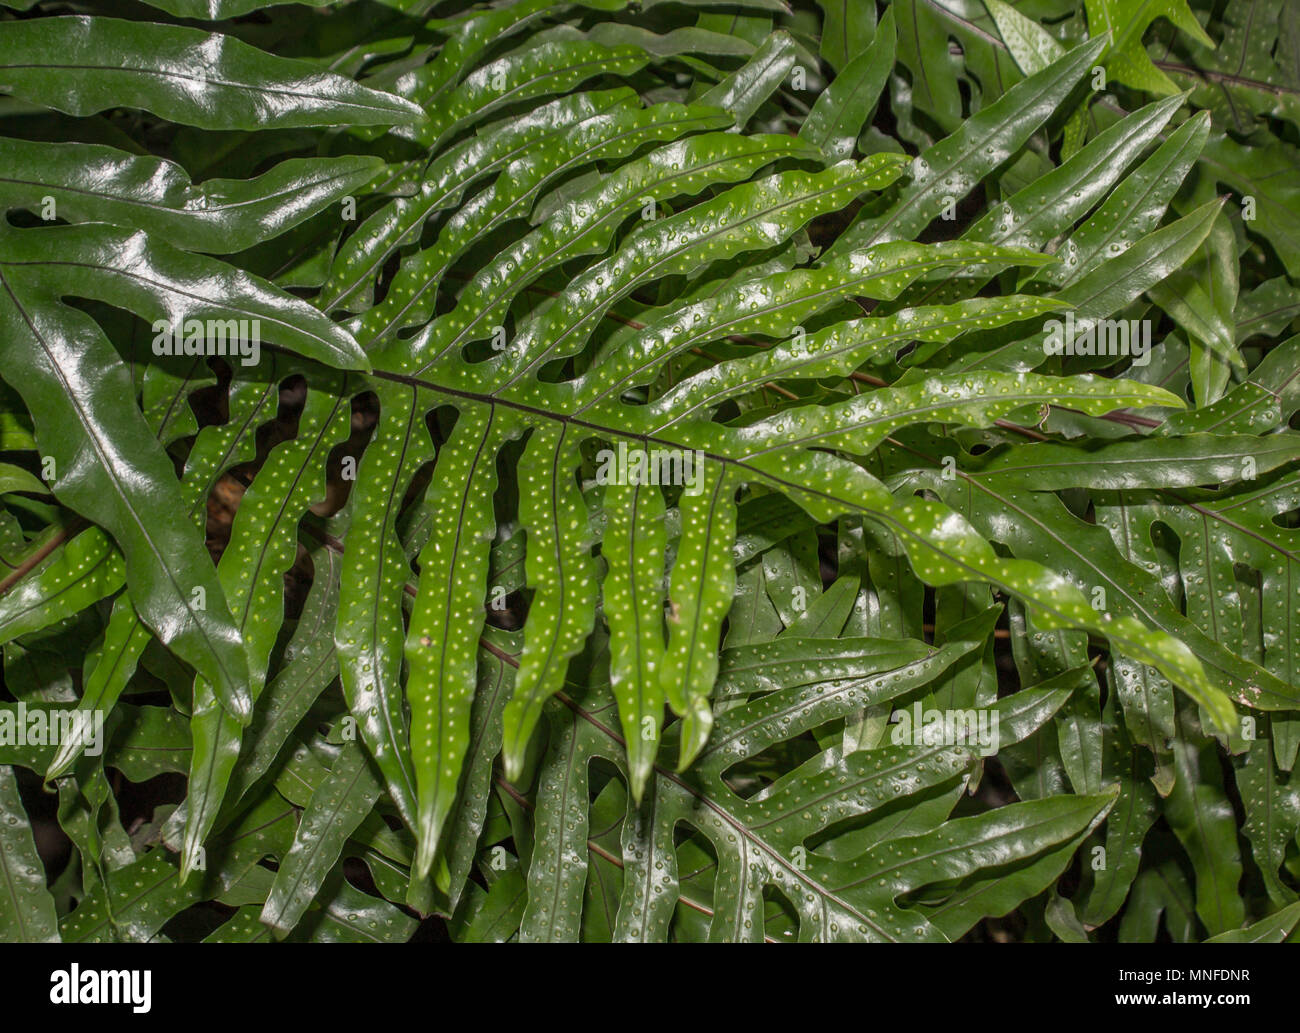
(207, 80)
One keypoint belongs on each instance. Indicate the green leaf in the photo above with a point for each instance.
(1277, 928)
(837, 118)
(91, 182)
(77, 385)
(561, 569)
(336, 809)
(744, 91)
(83, 65)
(1169, 462)
(946, 172)
(369, 631)
(186, 298)
(29, 914)
(657, 503)
(1033, 47)
(635, 541)
(1201, 816)
(1126, 21)
(448, 611)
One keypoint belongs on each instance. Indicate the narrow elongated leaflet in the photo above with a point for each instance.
(95, 183)
(83, 65)
(562, 572)
(28, 915)
(634, 544)
(448, 615)
(369, 634)
(263, 545)
(699, 596)
(947, 171)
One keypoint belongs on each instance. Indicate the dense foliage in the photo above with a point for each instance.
(567, 470)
